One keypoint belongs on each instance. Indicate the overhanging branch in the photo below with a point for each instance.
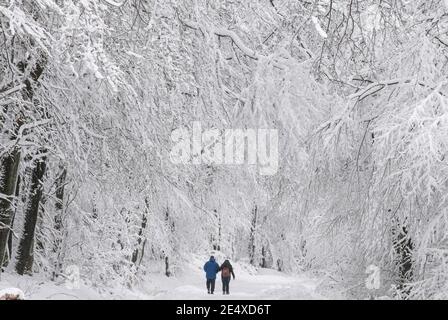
(224, 33)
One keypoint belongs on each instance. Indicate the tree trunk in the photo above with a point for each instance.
(10, 166)
(58, 221)
(137, 255)
(60, 183)
(171, 229)
(263, 257)
(252, 236)
(8, 256)
(167, 267)
(403, 248)
(216, 242)
(26, 246)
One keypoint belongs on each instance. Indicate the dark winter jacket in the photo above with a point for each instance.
(226, 264)
(211, 268)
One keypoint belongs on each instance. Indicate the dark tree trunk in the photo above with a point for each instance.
(10, 166)
(217, 241)
(26, 244)
(60, 184)
(137, 255)
(280, 265)
(263, 257)
(58, 221)
(10, 236)
(403, 247)
(167, 267)
(171, 229)
(252, 236)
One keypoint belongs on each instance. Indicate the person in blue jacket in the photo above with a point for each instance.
(211, 268)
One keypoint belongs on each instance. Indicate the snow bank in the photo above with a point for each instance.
(37, 287)
(12, 294)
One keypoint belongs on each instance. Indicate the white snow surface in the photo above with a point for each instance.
(250, 283)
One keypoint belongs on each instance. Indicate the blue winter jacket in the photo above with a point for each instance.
(211, 268)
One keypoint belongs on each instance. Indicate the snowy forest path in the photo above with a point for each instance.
(188, 284)
(257, 284)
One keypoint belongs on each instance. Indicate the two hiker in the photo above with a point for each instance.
(211, 268)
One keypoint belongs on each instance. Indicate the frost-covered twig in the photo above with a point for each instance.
(225, 33)
(5, 93)
(373, 87)
(30, 126)
(115, 4)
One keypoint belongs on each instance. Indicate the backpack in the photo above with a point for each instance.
(225, 272)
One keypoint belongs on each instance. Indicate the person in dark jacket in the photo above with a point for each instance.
(226, 270)
(211, 268)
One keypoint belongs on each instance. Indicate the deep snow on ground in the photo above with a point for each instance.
(250, 283)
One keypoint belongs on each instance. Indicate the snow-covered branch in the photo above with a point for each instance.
(374, 87)
(7, 92)
(223, 33)
(115, 3)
